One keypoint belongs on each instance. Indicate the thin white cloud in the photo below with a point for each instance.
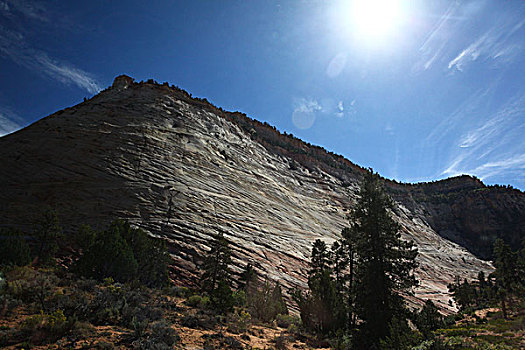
(340, 110)
(489, 169)
(9, 121)
(495, 147)
(30, 9)
(67, 74)
(304, 113)
(14, 47)
(498, 43)
(433, 46)
(465, 113)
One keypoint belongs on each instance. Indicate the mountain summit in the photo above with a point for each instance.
(184, 170)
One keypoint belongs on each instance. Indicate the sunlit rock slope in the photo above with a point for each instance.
(184, 170)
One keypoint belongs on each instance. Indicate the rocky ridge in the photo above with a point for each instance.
(183, 170)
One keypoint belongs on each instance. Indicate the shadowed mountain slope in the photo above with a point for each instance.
(184, 170)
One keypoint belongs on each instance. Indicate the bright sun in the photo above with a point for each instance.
(375, 19)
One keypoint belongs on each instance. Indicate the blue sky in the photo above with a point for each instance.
(418, 90)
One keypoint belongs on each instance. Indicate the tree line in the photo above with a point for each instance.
(504, 287)
(356, 287)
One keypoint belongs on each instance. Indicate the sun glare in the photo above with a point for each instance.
(375, 19)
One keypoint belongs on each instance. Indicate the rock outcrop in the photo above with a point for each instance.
(184, 170)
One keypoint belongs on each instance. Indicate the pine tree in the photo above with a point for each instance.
(464, 293)
(320, 259)
(150, 253)
(216, 279)
(384, 262)
(349, 239)
(429, 319)
(265, 301)
(507, 279)
(521, 272)
(47, 234)
(109, 256)
(322, 309)
(247, 278)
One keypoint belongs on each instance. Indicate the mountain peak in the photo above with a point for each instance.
(122, 82)
(183, 170)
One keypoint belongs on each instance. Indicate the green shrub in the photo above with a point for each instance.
(14, 249)
(82, 330)
(284, 321)
(194, 300)
(429, 319)
(181, 292)
(8, 304)
(151, 256)
(30, 285)
(123, 253)
(266, 302)
(50, 326)
(108, 256)
(456, 332)
(162, 336)
(47, 234)
(239, 321)
(222, 298)
(139, 327)
(85, 237)
(281, 342)
(239, 298)
(198, 301)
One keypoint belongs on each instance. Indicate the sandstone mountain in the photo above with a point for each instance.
(184, 170)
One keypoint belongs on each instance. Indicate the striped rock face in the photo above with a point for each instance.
(182, 171)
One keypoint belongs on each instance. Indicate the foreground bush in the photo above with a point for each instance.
(14, 249)
(124, 254)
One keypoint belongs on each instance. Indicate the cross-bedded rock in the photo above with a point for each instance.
(184, 170)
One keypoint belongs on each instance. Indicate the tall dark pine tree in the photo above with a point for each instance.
(247, 278)
(348, 241)
(322, 308)
(507, 276)
(384, 262)
(216, 279)
(47, 235)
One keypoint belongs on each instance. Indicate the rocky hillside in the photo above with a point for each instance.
(468, 212)
(183, 170)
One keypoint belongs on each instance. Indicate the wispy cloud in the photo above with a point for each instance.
(493, 148)
(9, 121)
(500, 43)
(14, 47)
(490, 169)
(433, 46)
(466, 113)
(30, 9)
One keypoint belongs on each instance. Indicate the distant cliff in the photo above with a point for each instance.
(468, 212)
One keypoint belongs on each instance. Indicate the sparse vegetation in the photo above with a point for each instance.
(361, 277)
(14, 249)
(124, 254)
(115, 292)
